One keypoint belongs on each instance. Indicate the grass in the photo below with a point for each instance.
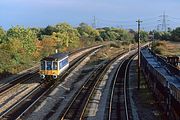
(106, 53)
(167, 48)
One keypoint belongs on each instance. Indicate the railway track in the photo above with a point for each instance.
(11, 96)
(18, 80)
(77, 106)
(28, 75)
(119, 107)
(26, 104)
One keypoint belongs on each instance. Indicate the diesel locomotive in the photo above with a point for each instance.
(53, 66)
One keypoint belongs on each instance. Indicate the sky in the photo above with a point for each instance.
(117, 13)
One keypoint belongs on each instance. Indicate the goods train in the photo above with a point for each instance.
(165, 83)
(53, 66)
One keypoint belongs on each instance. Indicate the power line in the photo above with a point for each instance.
(176, 22)
(147, 22)
(174, 18)
(115, 21)
(149, 19)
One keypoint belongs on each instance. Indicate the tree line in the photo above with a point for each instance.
(170, 35)
(22, 47)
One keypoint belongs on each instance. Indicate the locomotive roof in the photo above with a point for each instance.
(58, 56)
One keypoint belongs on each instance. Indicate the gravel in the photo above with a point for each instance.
(96, 109)
(15, 94)
(32, 69)
(16, 76)
(142, 101)
(53, 105)
(20, 90)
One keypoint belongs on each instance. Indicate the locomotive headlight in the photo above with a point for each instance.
(42, 76)
(54, 76)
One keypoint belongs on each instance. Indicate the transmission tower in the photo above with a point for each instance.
(94, 22)
(164, 21)
(158, 27)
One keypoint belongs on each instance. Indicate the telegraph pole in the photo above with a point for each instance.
(139, 23)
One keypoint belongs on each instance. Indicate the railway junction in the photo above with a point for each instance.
(99, 85)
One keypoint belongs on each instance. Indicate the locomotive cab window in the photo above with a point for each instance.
(49, 65)
(55, 66)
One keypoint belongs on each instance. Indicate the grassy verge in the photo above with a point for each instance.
(166, 48)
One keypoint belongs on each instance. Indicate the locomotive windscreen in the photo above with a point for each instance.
(49, 65)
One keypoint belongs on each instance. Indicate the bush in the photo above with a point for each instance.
(115, 45)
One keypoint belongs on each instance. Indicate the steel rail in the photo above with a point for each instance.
(17, 103)
(126, 62)
(125, 86)
(26, 76)
(16, 81)
(112, 91)
(10, 113)
(75, 110)
(84, 87)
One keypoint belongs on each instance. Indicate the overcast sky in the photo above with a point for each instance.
(118, 13)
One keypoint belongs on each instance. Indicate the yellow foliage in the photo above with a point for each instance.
(48, 42)
(48, 46)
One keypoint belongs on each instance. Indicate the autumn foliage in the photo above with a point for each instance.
(22, 47)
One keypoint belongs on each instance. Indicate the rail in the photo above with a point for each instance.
(20, 109)
(76, 108)
(118, 103)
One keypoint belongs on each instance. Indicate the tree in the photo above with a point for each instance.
(48, 46)
(5, 61)
(108, 34)
(165, 35)
(157, 35)
(26, 36)
(175, 34)
(123, 35)
(2, 35)
(87, 31)
(49, 30)
(15, 48)
(104, 35)
(66, 34)
(37, 32)
(143, 36)
(127, 37)
(112, 35)
(16, 54)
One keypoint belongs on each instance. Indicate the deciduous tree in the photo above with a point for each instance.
(26, 36)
